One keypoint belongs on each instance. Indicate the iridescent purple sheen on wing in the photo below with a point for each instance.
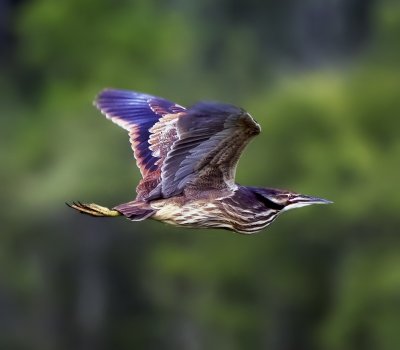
(137, 113)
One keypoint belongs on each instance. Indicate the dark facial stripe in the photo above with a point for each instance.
(268, 203)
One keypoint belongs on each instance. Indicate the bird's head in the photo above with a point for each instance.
(283, 200)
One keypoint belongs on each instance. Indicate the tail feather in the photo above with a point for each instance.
(135, 211)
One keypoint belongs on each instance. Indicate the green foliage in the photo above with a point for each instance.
(318, 278)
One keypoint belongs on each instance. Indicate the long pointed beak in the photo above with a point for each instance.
(301, 200)
(308, 200)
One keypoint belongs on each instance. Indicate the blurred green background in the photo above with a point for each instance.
(323, 80)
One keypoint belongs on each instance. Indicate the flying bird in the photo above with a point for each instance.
(187, 158)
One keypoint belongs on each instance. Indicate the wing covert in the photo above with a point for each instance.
(212, 137)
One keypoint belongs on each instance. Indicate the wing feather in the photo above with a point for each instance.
(211, 139)
(138, 113)
(177, 148)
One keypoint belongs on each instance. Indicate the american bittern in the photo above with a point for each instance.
(187, 159)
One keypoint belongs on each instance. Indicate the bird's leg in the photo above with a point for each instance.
(94, 209)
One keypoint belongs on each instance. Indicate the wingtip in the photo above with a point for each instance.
(99, 94)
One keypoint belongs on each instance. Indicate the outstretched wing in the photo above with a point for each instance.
(139, 114)
(211, 138)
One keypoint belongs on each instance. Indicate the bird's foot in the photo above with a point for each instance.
(93, 209)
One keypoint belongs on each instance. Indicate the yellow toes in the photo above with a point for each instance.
(93, 209)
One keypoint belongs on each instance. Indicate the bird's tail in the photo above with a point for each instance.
(135, 210)
(94, 209)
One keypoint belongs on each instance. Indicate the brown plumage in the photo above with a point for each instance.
(188, 159)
